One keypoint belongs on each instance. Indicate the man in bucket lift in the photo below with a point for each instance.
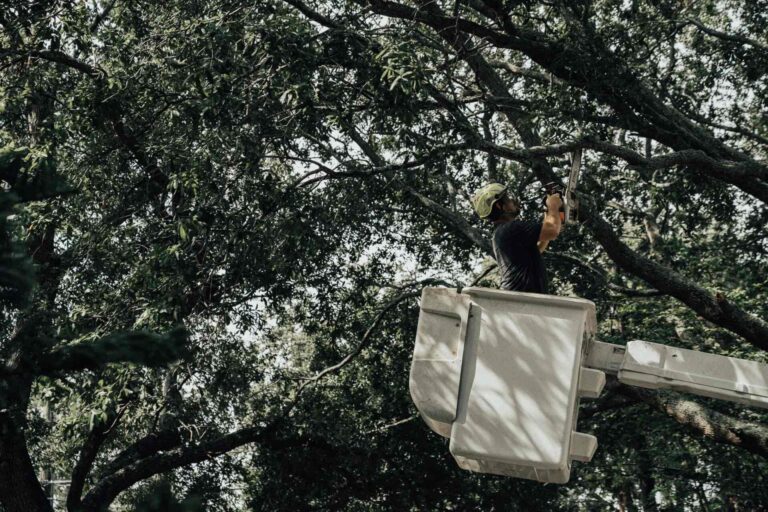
(518, 244)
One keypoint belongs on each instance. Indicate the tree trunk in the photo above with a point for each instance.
(647, 482)
(20, 491)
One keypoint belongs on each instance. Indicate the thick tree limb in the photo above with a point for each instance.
(718, 168)
(87, 456)
(699, 161)
(143, 348)
(20, 490)
(58, 57)
(106, 489)
(601, 275)
(313, 14)
(719, 427)
(714, 308)
(456, 221)
(148, 445)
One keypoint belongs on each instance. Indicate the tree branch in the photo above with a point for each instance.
(143, 348)
(363, 342)
(313, 15)
(735, 129)
(601, 275)
(456, 221)
(739, 173)
(705, 422)
(106, 489)
(529, 73)
(391, 425)
(728, 171)
(148, 445)
(102, 15)
(59, 57)
(714, 308)
(724, 35)
(88, 453)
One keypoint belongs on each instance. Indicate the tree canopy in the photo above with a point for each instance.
(217, 217)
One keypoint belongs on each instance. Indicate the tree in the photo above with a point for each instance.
(280, 179)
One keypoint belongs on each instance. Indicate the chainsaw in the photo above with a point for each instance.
(569, 210)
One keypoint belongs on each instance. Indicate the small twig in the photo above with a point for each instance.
(363, 343)
(391, 425)
(484, 273)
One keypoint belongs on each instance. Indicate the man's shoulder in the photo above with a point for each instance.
(516, 225)
(517, 233)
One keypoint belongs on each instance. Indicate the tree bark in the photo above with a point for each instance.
(705, 422)
(20, 491)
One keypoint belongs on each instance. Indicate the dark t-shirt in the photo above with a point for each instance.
(519, 259)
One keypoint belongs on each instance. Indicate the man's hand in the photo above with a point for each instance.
(550, 227)
(554, 202)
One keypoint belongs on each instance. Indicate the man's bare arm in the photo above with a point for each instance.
(550, 227)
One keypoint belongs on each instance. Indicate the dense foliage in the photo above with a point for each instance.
(217, 217)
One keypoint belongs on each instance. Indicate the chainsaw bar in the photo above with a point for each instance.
(571, 204)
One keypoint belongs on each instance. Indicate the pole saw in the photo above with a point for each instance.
(569, 211)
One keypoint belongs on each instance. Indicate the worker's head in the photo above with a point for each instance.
(493, 202)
